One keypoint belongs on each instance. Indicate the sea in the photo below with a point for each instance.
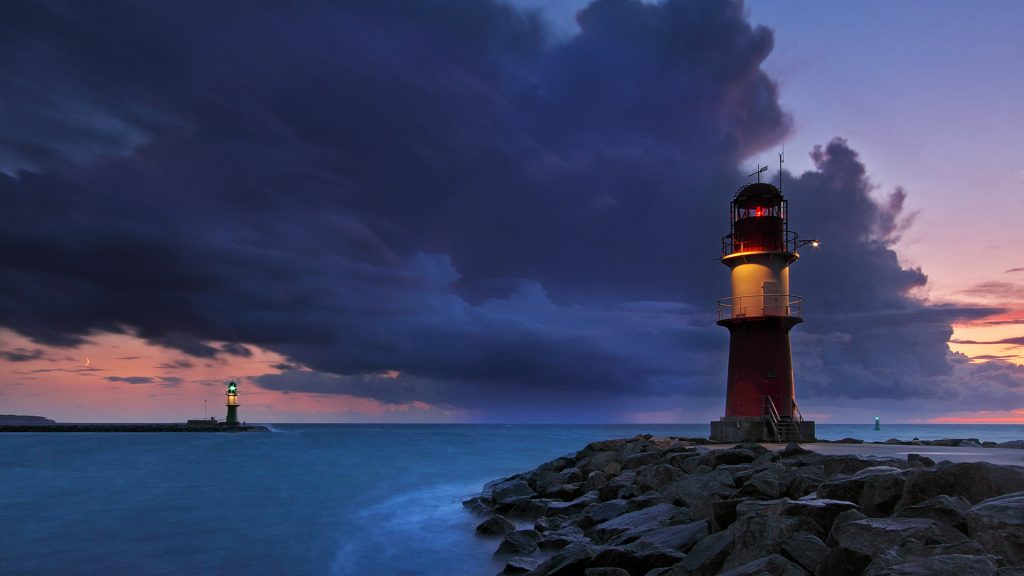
(301, 499)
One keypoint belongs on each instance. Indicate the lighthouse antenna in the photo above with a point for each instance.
(781, 160)
(758, 172)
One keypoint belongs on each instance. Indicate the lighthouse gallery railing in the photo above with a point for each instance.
(758, 305)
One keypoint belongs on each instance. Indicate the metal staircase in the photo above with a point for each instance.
(783, 428)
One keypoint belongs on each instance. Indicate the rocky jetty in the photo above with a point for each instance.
(649, 506)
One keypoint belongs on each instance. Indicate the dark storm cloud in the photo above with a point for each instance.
(21, 354)
(426, 200)
(130, 379)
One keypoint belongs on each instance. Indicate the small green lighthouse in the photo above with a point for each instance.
(232, 403)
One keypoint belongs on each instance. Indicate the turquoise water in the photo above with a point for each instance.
(305, 499)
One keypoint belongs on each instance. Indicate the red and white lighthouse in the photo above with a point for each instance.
(760, 400)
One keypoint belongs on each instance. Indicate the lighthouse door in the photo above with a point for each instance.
(774, 303)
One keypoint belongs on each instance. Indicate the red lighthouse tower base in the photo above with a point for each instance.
(760, 401)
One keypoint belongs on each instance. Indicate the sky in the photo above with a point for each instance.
(480, 211)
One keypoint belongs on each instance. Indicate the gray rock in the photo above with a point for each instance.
(518, 542)
(767, 484)
(1012, 444)
(806, 549)
(605, 571)
(640, 459)
(611, 490)
(871, 536)
(647, 499)
(840, 521)
(926, 461)
(657, 476)
(970, 443)
(598, 461)
(793, 449)
(595, 481)
(573, 506)
(736, 455)
(680, 537)
(570, 561)
(758, 536)
(604, 511)
(495, 526)
(519, 565)
(815, 515)
(635, 561)
(707, 556)
(951, 565)
(833, 465)
(974, 481)
(511, 491)
(530, 509)
(842, 562)
(561, 537)
(635, 522)
(997, 524)
(951, 510)
(773, 565)
(697, 488)
(723, 512)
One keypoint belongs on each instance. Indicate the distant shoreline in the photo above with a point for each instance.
(168, 427)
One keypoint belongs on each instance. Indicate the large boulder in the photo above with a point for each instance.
(805, 549)
(707, 556)
(997, 524)
(566, 535)
(511, 491)
(519, 565)
(950, 510)
(634, 524)
(680, 537)
(875, 489)
(773, 565)
(949, 565)
(518, 542)
(635, 561)
(604, 511)
(574, 506)
(570, 561)
(847, 465)
(814, 515)
(698, 488)
(657, 476)
(871, 536)
(973, 481)
(495, 526)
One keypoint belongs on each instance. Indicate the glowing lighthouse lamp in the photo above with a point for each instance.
(760, 401)
(232, 404)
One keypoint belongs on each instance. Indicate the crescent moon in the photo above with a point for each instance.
(87, 362)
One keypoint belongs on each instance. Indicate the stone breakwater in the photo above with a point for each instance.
(650, 506)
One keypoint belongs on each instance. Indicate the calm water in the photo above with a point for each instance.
(331, 499)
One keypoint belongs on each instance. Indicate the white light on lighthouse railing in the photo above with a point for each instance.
(815, 243)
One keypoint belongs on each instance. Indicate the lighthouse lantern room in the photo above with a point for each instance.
(760, 401)
(232, 403)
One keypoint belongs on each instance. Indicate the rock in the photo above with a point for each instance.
(598, 461)
(570, 561)
(951, 510)
(759, 535)
(647, 499)
(476, 506)
(697, 488)
(769, 484)
(518, 542)
(495, 526)
(850, 441)
(640, 459)
(816, 516)
(635, 562)
(723, 512)
(561, 537)
(595, 481)
(525, 509)
(707, 556)
(736, 455)
(634, 523)
(997, 524)
(519, 565)
(974, 481)
(606, 571)
(842, 519)
(611, 490)
(922, 459)
(680, 537)
(871, 536)
(511, 491)
(1012, 444)
(793, 449)
(833, 465)
(604, 511)
(773, 565)
(805, 549)
(657, 476)
(951, 565)
(842, 562)
(971, 443)
(573, 506)
(876, 489)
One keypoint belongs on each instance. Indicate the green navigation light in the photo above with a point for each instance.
(232, 387)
